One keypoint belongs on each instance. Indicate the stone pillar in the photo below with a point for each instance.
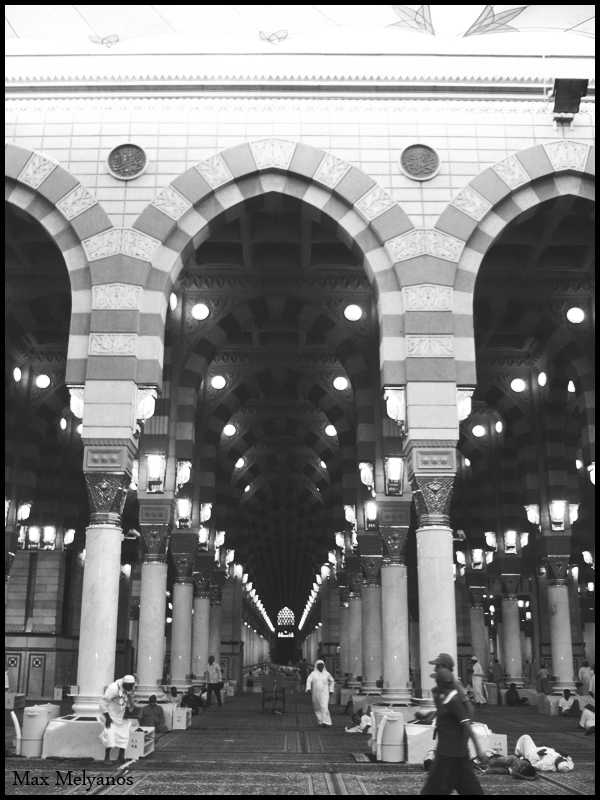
(100, 595)
(355, 630)
(200, 630)
(344, 632)
(560, 623)
(181, 631)
(589, 638)
(511, 641)
(435, 556)
(479, 637)
(372, 632)
(395, 626)
(214, 634)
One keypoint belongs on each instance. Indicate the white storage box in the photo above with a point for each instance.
(141, 743)
(182, 718)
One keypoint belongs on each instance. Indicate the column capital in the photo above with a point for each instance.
(371, 566)
(107, 492)
(185, 581)
(344, 593)
(476, 596)
(432, 494)
(510, 586)
(556, 569)
(184, 563)
(394, 540)
(215, 594)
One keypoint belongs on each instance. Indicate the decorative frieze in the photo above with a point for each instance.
(331, 170)
(116, 296)
(427, 297)
(107, 492)
(429, 346)
(566, 154)
(112, 344)
(432, 495)
(430, 459)
(36, 170)
(471, 203)
(101, 458)
(171, 203)
(277, 153)
(511, 172)
(120, 241)
(76, 202)
(422, 241)
(214, 171)
(374, 203)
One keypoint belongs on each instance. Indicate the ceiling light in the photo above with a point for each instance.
(17, 374)
(576, 315)
(478, 430)
(173, 301)
(542, 379)
(324, 465)
(467, 462)
(570, 387)
(80, 429)
(353, 313)
(63, 424)
(578, 463)
(340, 383)
(518, 385)
(247, 489)
(330, 430)
(200, 311)
(239, 463)
(218, 382)
(42, 381)
(499, 427)
(229, 429)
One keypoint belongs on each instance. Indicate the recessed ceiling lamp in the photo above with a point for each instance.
(17, 374)
(239, 463)
(200, 311)
(576, 315)
(324, 465)
(353, 313)
(478, 430)
(499, 427)
(173, 301)
(330, 430)
(42, 381)
(247, 489)
(80, 429)
(570, 386)
(229, 429)
(518, 385)
(63, 424)
(542, 379)
(340, 383)
(218, 382)
(467, 462)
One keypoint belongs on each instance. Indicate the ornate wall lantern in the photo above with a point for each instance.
(393, 469)
(367, 475)
(395, 405)
(557, 514)
(371, 521)
(156, 464)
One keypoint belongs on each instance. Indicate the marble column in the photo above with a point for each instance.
(435, 556)
(479, 637)
(589, 634)
(181, 631)
(355, 630)
(372, 630)
(214, 633)
(200, 631)
(511, 641)
(561, 647)
(344, 632)
(394, 613)
(100, 594)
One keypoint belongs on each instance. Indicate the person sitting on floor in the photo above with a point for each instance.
(152, 716)
(174, 696)
(544, 759)
(362, 721)
(588, 719)
(191, 700)
(568, 705)
(512, 697)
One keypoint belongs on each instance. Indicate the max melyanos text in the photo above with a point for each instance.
(69, 778)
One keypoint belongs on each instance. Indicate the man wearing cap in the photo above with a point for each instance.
(477, 679)
(117, 698)
(452, 767)
(445, 661)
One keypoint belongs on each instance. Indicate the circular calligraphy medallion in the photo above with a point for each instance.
(419, 162)
(127, 161)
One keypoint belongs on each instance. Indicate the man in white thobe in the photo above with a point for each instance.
(117, 698)
(544, 759)
(321, 684)
(477, 677)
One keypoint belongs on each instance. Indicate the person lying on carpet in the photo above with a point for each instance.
(519, 768)
(362, 721)
(545, 759)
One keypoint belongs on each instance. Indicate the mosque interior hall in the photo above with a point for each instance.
(299, 365)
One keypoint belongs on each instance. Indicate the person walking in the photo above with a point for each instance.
(542, 680)
(214, 681)
(321, 684)
(117, 699)
(303, 670)
(477, 678)
(452, 768)
(585, 677)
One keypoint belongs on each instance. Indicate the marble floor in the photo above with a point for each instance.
(237, 750)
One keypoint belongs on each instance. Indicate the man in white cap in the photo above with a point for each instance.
(477, 678)
(117, 698)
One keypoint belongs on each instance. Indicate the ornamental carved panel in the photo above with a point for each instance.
(116, 296)
(171, 203)
(76, 202)
(394, 541)
(155, 539)
(216, 594)
(102, 458)
(331, 170)
(276, 153)
(124, 241)
(556, 567)
(112, 344)
(127, 161)
(421, 241)
(566, 154)
(371, 566)
(374, 203)
(471, 203)
(355, 582)
(419, 162)
(183, 564)
(107, 492)
(214, 171)
(432, 494)
(429, 346)
(36, 170)
(511, 172)
(427, 297)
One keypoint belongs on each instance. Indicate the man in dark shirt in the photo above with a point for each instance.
(190, 700)
(303, 670)
(452, 768)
